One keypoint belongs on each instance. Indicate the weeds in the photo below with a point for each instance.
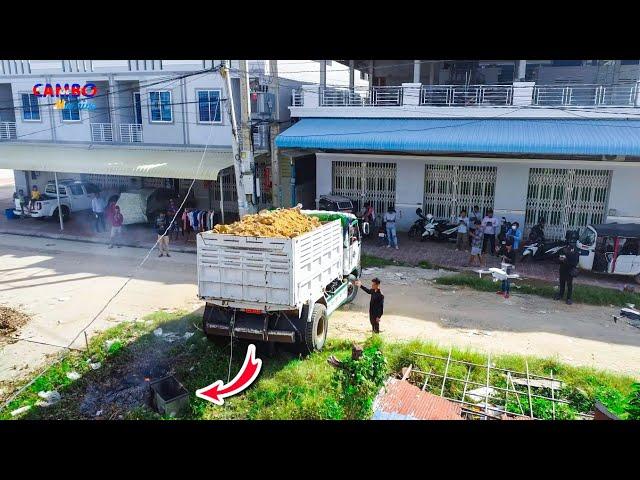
(589, 294)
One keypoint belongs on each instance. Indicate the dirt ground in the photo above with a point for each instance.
(416, 308)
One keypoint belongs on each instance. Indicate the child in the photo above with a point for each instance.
(477, 237)
(463, 228)
(35, 196)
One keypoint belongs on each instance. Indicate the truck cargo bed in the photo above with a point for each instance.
(269, 273)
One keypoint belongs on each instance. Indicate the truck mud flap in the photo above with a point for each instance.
(223, 322)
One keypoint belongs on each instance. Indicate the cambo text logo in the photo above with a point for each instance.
(66, 91)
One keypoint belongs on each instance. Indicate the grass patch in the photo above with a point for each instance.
(368, 261)
(288, 387)
(589, 294)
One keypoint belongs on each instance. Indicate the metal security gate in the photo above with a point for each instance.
(566, 198)
(450, 188)
(365, 182)
(229, 192)
(119, 182)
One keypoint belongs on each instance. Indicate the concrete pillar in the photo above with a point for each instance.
(310, 96)
(432, 72)
(114, 116)
(323, 74)
(351, 73)
(521, 70)
(416, 71)
(371, 72)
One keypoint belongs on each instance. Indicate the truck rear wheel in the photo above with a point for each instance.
(352, 292)
(65, 213)
(315, 331)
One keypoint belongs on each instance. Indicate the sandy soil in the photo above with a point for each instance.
(416, 308)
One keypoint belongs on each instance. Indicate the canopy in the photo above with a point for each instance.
(526, 136)
(116, 160)
(626, 230)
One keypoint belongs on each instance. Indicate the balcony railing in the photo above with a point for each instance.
(586, 95)
(520, 94)
(8, 131)
(130, 133)
(466, 95)
(101, 132)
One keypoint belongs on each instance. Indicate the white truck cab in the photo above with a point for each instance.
(612, 248)
(75, 196)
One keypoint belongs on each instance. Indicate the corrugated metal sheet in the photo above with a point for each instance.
(562, 137)
(401, 400)
(134, 162)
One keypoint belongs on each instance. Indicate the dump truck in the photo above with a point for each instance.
(279, 289)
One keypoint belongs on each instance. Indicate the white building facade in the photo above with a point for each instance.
(549, 142)
(146, 126)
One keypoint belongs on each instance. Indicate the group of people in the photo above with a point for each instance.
(20, 200)
(385, 224)
(480, 233)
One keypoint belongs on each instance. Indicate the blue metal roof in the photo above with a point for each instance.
(562, 137)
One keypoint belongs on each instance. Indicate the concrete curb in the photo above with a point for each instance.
(78, 238)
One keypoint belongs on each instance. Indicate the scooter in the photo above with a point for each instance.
(542, 250)
(439, 229)
(417, 228)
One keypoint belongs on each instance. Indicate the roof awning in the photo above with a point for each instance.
(112, 160)
(506, 136)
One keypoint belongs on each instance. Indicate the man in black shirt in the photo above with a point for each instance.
(376, 305)
(568, 269)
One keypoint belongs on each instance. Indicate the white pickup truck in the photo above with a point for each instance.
(75, 195)
(279, 289)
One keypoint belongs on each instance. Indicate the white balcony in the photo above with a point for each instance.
(130, 133)
(417, 100)
(101, 132)
(8, 131)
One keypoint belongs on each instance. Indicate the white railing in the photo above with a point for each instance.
(466, 95)
(130, 133)
(361, 97)
(101, 132)
(297, 98)
(8, 131)
(619, 95)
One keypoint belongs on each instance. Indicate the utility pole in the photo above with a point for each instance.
(238, 164)
(274, 131)
(246, 143)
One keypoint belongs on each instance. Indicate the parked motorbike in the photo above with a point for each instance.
(438, 229)
(542, 250)
(417, 228)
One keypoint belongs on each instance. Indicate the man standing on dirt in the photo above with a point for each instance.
(568, 269)
(376, 304)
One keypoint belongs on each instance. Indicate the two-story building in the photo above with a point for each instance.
(530, 139)
(146, 125)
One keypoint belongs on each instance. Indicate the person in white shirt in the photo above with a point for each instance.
(390, 221)
(97, 205)
(463, 231)
(489, 226)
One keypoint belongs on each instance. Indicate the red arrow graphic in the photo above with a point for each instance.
(217, 391)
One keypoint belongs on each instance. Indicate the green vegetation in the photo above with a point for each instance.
(633, 403)
(368, 261)
(290, 387)
(590, 294)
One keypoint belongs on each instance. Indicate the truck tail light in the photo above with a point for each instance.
(253, 310)
(38, 206)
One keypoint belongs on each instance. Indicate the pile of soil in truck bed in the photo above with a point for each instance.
(281, 223)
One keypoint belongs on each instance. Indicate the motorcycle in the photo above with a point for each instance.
(439, 229)
(542, 250)
(418, 226)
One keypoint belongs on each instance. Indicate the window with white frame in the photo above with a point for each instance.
(71, 110)
(209, 106)
(30, 107)
(160, 106)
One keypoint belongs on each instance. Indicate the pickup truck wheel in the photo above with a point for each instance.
(65, 213)
(315, 331)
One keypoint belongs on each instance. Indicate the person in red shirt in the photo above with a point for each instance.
(116, 225)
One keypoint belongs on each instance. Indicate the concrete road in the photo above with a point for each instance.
(63, 284)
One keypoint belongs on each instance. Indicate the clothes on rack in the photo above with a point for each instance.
(198, 220)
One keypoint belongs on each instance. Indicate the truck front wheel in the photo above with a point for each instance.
(352, 292)
(315, 331)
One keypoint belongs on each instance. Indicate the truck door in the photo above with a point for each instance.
(79, 200)
(354, 246)
(586, 247)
